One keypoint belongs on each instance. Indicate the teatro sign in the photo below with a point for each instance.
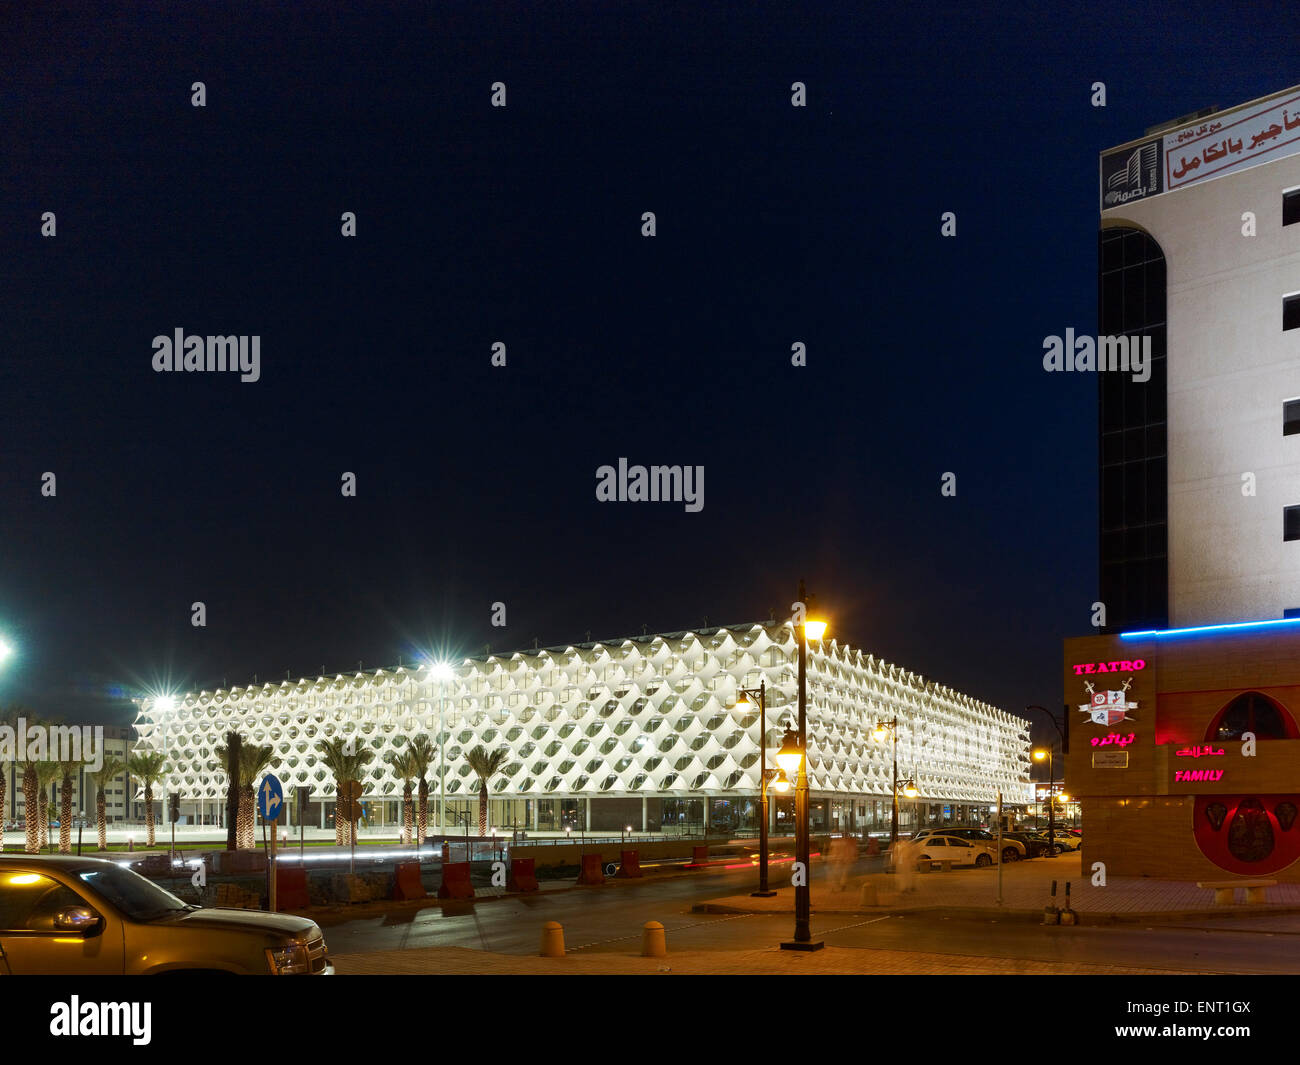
(1122, 666)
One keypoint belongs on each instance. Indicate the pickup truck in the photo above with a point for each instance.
(88, 916)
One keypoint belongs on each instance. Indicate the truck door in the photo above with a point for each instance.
(30, 902)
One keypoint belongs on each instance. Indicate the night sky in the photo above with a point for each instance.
(476, 484)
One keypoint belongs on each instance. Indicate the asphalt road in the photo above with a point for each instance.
(609, 919)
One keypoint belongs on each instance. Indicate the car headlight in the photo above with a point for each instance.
(288, 960)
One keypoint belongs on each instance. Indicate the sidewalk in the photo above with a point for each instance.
(458, 961)
(1026, 890)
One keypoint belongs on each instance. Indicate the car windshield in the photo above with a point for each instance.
(136, 897)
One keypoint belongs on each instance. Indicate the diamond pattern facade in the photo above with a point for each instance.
(650, 715)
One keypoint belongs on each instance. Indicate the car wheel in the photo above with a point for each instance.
(1060, 848)
(983, 860)
(1010, 854)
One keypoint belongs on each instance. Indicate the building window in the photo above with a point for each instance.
(1291, 207)
(1291, 417)
(1291, 523)
(1291, 312)
(1256, 713)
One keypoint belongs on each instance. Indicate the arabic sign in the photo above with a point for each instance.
(1110, 759)
(1198, 752)
(1230, 142)
(1236, 142)
(1118, 739)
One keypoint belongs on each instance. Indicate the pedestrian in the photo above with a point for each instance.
(904, 858)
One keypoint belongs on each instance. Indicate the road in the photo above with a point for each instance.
(609, 919)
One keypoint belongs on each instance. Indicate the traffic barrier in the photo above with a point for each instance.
(868, 894)
(455, 882)
(630, 867)
(873, 846)
(407, 884)
(654, 942)
(699, 855)
(523, 875)
(591, 873)
(291, 887)
(552, 940)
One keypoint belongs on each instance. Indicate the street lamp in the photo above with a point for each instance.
(883, 729)
(804, 630)
(742, 704)
(5, 650)
(1040, 754)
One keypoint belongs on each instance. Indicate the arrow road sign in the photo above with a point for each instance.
(270, 797)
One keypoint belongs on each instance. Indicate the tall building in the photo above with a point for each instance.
(643, 731)
(1200, 465)
(1185, 714)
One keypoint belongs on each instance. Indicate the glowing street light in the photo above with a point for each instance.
(441, 672)
(6, 649)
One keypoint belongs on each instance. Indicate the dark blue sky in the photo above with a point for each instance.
(477, 484)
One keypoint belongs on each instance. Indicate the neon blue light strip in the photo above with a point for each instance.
(1158, 633)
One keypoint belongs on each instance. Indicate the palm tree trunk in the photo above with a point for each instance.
(246, 837)
(423, 820)
(45, 819)
(408, 816)
(65, 817)
(340, 833)
(101, 816)
(31, 810)
(482, 809)
(148, 813)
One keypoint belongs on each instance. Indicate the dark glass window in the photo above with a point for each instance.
(1133, 534)
(1291, 207)
(1291, 612)
(1291, 312)
(1253, 712)
(1291, 523)
(1291, 417)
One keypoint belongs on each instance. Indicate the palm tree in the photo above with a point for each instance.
(423, 752)
(253, 759)
(486, 764)
(347, 763)
(108, 772)
(149, 767)
(234, 741)
(67, 773)
(46, 774)
(406, 767)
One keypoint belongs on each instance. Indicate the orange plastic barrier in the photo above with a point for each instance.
(591, 873)
(631, 865)
(699, 855)
(873, 846)
(455, 882)
(408, 884)
(291, 887)
(523, 875)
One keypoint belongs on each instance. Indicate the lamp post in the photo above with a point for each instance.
(1040, 754)
(440, 672)
(804, 630)
(742, 703)
(891, 727)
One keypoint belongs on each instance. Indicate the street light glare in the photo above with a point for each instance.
(5, 650)
(814, 630)
(165, 703)
(1039, 754)
(441, 671)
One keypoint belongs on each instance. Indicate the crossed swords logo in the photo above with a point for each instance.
(1108, 712)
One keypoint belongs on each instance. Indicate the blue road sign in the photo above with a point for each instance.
(270, 797)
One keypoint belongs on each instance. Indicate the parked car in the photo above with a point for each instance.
(942, 847)
(1035, 846)
(1062, 841)
(1012, 850)
(87, 916)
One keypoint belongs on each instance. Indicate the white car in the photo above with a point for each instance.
(953, 849)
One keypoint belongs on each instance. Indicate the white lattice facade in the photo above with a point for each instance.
(651, 715)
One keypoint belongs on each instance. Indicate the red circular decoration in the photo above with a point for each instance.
(1248, 825)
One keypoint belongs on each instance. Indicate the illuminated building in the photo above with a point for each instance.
(641, 731)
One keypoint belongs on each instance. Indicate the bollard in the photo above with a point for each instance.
(868, 894)
(654, 943)
(1051, 915)
(1067, 914)
(552, 940)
